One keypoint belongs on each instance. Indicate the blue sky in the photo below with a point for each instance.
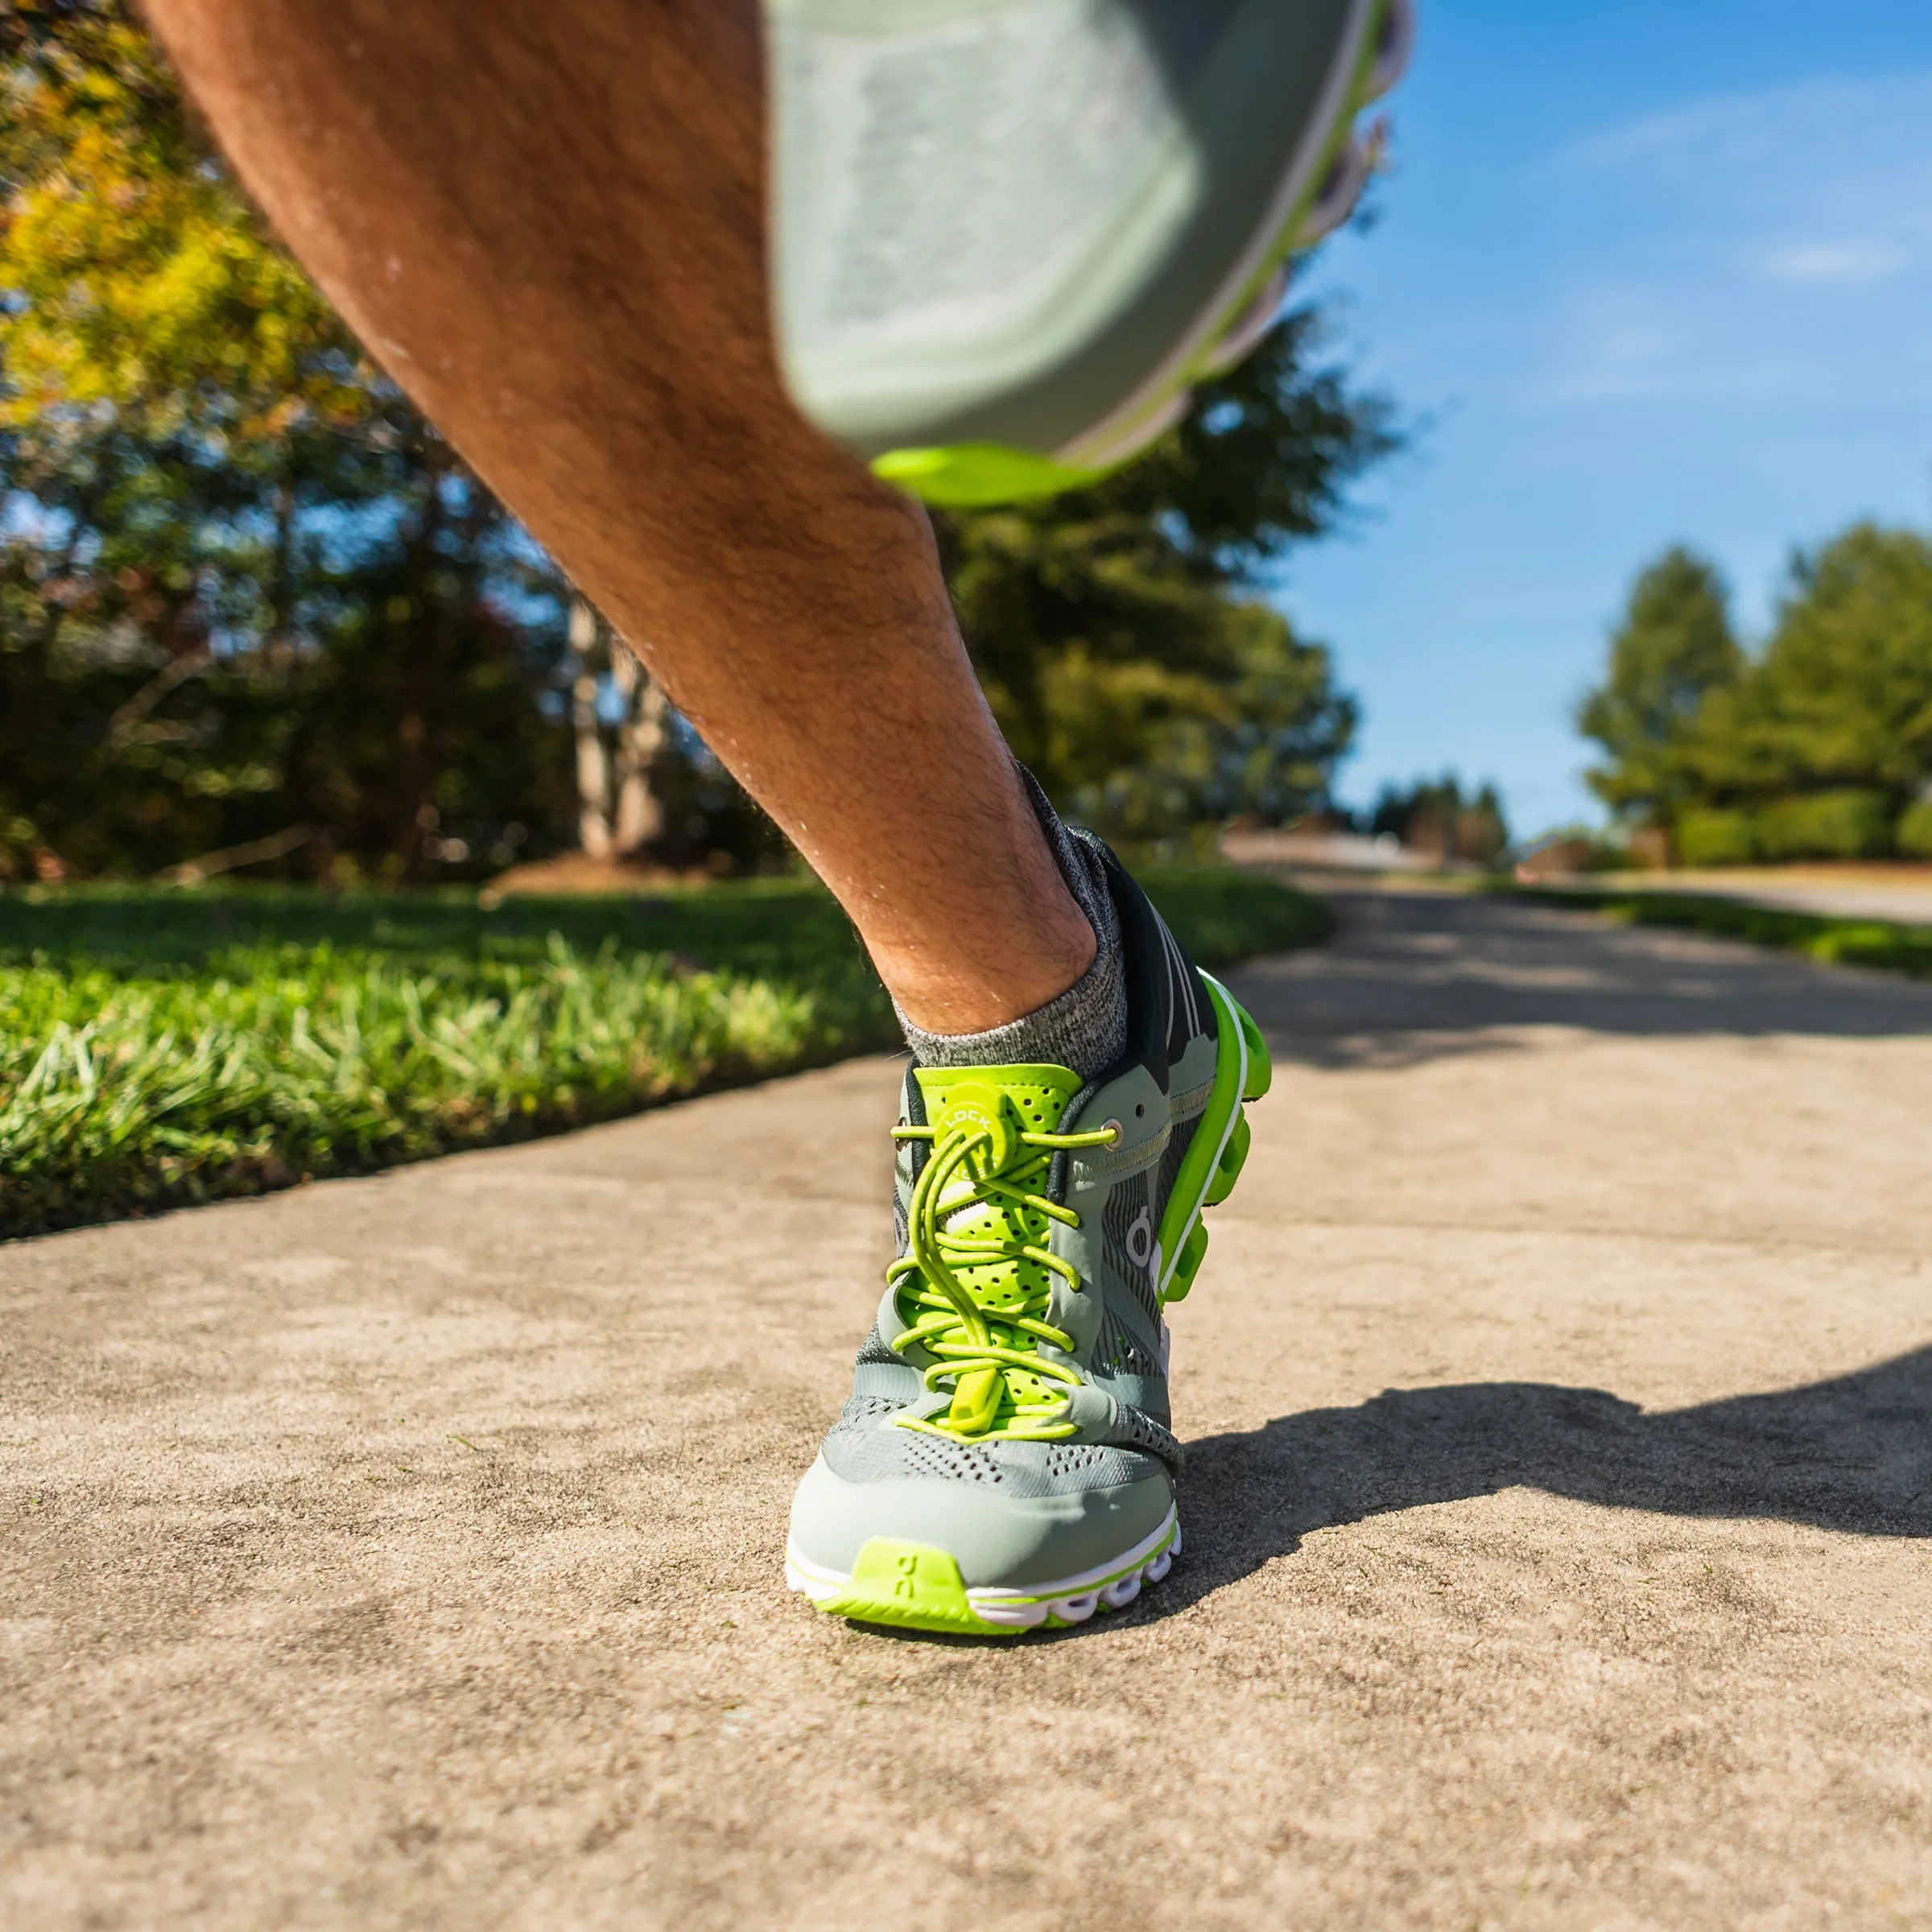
(1645, 271)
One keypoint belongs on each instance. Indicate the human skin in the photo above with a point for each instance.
(547, 223)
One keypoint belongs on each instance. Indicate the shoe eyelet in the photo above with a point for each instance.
(1115, 1130)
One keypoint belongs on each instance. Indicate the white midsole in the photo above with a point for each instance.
(1073, 1599)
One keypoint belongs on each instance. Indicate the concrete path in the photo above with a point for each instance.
(404, 1553)
(1894, 903)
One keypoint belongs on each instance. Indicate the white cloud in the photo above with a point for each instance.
(1742, 248)
(1836, 262)
(1731, 129)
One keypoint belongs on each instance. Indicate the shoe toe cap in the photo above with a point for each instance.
(1000, 1539)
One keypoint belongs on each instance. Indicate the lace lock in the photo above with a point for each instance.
(986, 1109)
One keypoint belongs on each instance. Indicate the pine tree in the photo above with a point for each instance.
(1673, 651)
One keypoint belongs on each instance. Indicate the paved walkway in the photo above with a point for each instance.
(1905, 904)
(404, 1552)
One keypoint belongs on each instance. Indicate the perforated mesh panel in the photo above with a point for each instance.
(873, 1351)
(860, 1410)
(1143, 1432)
(940, 1455)
(870, 1453)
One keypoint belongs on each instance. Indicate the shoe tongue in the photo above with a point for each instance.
(1006, 1100)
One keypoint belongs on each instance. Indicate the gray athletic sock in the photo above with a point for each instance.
(1085, 1028)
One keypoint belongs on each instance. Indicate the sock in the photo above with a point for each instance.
(1085, 1027)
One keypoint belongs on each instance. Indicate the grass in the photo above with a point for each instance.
(162, 1048)
(1837, 942)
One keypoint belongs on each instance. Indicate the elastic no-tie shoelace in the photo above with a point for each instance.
(985, 1342)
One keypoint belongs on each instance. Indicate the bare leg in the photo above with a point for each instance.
(548, 222)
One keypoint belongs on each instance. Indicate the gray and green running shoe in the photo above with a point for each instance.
(1010, 235)
(1005, 1461)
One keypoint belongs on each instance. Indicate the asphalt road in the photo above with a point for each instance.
(405, 1552)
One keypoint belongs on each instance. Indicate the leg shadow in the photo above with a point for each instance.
(1852, 1454)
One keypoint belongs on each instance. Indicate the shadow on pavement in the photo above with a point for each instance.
(1853, 1454)
(1416, 976)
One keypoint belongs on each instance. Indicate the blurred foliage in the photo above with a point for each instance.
(159, 1048)
(1848, 824)
(136, 279)
(1915, 831)
(1674, 647)
(1820, 746)
(255, 612)
(1119, 632)
(1714, 835)
(1437, 816)
(248, 598)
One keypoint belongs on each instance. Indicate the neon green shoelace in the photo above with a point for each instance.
(980, 1275)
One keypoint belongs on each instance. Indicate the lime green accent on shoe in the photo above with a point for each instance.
(972, 475)
(1189, 1266)
(917, 1586)
(1260, 1063)
(1219, 1124)
(1234, 1157)
(976, 1284)
(913, 1586)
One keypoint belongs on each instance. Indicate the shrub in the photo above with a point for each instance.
(1716, 838)
(1914, 833)
(1826, 825)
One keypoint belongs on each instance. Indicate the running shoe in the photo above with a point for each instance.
(1006, 1461)
(1010, 235)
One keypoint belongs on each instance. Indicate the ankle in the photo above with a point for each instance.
(969, 992)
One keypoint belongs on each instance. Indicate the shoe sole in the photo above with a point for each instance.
(918, 1587)
(1318, 190)
(913, 1586)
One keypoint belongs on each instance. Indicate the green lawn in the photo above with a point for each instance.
(159, 1048)
(1838, 942)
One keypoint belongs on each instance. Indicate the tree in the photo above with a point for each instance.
(1843, 696)
(1673, 648)
(1820, 747)
(1120, 632)
(248, 599)
(253, 607)
(1438, 817)
(621, 814)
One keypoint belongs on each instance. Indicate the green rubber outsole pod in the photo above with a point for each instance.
(1243, 1072)
(912, 1586)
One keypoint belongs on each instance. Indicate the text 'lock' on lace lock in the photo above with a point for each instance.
(985, 1109)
